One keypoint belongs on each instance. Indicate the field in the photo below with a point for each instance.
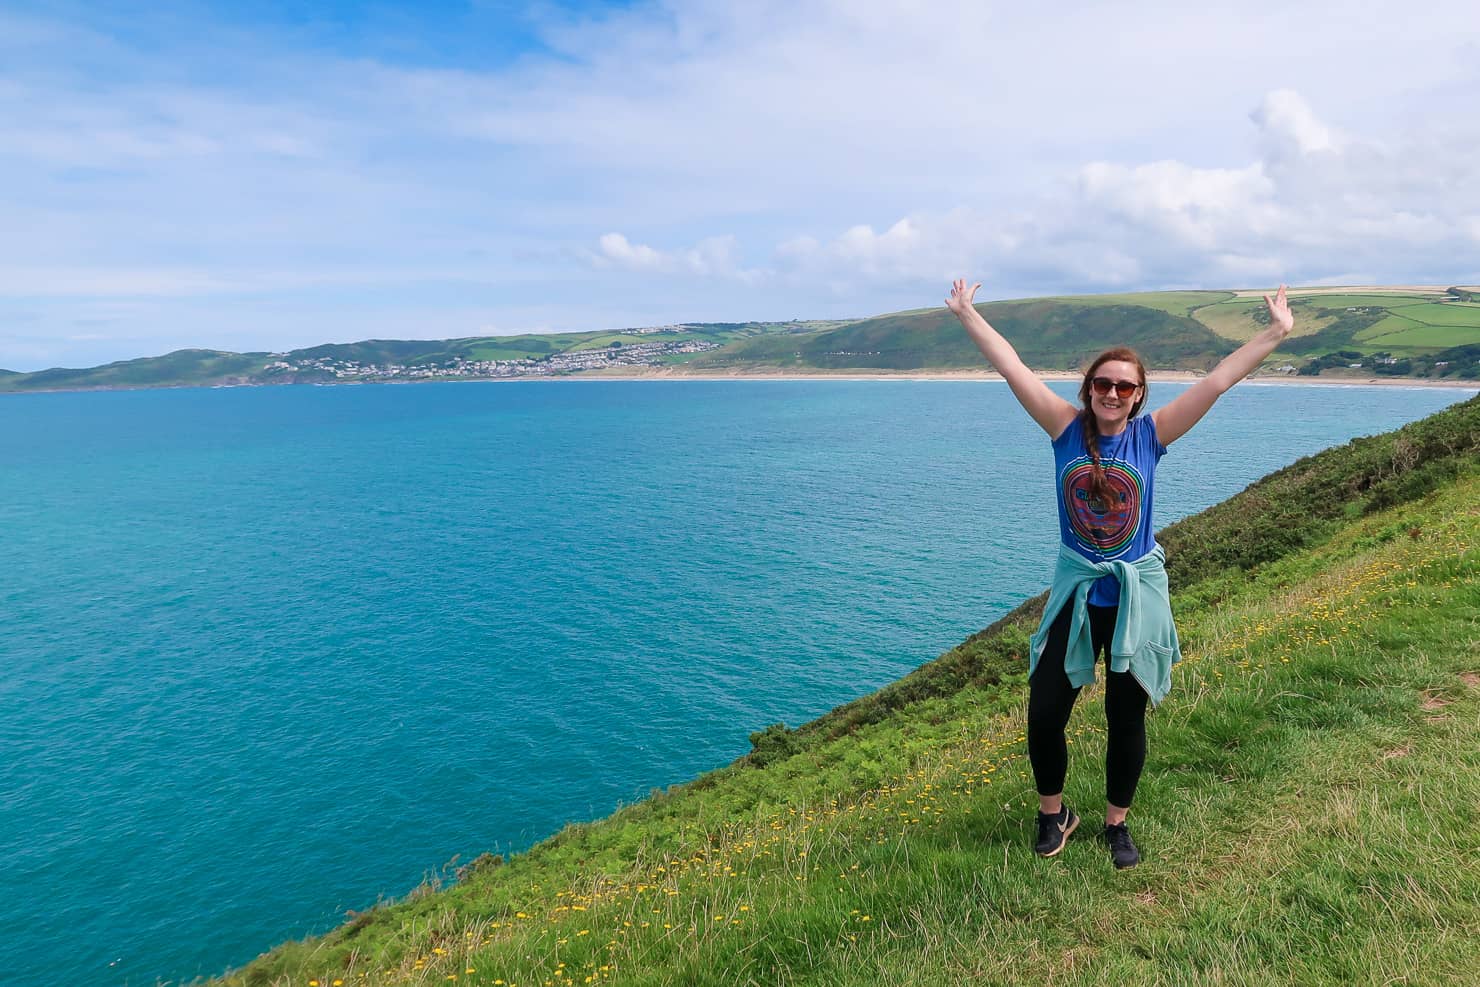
(1238, 320)
(605, 339)
(1170, 302)
(1424, 326)
(1447, 314)
(1426, 338)
(1388, 325)
(1361, 300)
(1404, 324)
(494, 352)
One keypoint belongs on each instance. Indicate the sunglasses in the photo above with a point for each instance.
(1123, 388)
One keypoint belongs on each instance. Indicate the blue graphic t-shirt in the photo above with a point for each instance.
(1122, 528)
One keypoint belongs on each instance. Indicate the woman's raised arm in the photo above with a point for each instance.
(1187, 408)
(1052, 413)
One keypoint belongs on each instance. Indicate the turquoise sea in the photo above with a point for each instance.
(272, 654)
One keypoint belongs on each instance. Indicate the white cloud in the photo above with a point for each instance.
(636, 257)
(710, 257)
(1289, 128)
(1193, 206)
(774, 159)
(1313, 203)
(921, 247)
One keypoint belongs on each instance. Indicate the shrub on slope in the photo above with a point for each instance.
(1292, 509)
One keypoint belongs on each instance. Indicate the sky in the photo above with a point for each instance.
(269, 175)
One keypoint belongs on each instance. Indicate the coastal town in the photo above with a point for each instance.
(646, 354)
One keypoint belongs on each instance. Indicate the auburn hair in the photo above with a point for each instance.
(1099, 487)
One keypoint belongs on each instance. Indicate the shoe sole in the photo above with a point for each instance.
(1064, 842)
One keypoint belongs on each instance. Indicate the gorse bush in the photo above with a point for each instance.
(1287, 511)
(772, 744)
(1300, 505)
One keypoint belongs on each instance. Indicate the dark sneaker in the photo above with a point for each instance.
(1122, 850)
(1054, 830)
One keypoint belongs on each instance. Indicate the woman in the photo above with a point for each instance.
(1109, 594)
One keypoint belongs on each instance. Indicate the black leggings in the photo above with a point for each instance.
(1051, 698)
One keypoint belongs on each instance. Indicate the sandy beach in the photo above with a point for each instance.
(1168, 376)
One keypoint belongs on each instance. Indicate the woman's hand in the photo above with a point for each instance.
(960, 301)
(1279, 312)
(1045, 407)
(1186, 409)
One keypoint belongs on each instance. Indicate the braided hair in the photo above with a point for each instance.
(1099, 487)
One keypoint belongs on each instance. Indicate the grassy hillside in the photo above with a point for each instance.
(1307, 814)
(1428, 332)
(1172, 302)
(526, 346)
(317, 364)
(212, 366)
(1391, 332)
(1048, 334)
(1185, 330)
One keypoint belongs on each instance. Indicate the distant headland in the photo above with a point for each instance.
(1371, 334)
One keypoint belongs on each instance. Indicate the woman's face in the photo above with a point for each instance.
(1113, 410)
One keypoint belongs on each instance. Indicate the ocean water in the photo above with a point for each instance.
(272, 654)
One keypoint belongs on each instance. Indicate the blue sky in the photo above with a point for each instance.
(254, 177)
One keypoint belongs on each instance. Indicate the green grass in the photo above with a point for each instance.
(1324, 324)
(1392, 323)
(1415, 325)
(1241, 319)
(1375, 299)
(500, 353)
(1448, 314)
(1306, 813)
(1426, 338)
(1425, 326)
(605, 339)
(1340, 333)
(1047, 335)
(1182, 303)
(172, 369)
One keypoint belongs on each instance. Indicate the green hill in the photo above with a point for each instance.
(1307, 813)
(1403, 332)
(205, 366)
(1048, 334)
(527, 346)
(1394, 332)
(390, 359)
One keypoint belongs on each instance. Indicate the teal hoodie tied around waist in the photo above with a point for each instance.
(1145, 641)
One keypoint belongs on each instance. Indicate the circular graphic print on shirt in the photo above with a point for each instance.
(1103, 526)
